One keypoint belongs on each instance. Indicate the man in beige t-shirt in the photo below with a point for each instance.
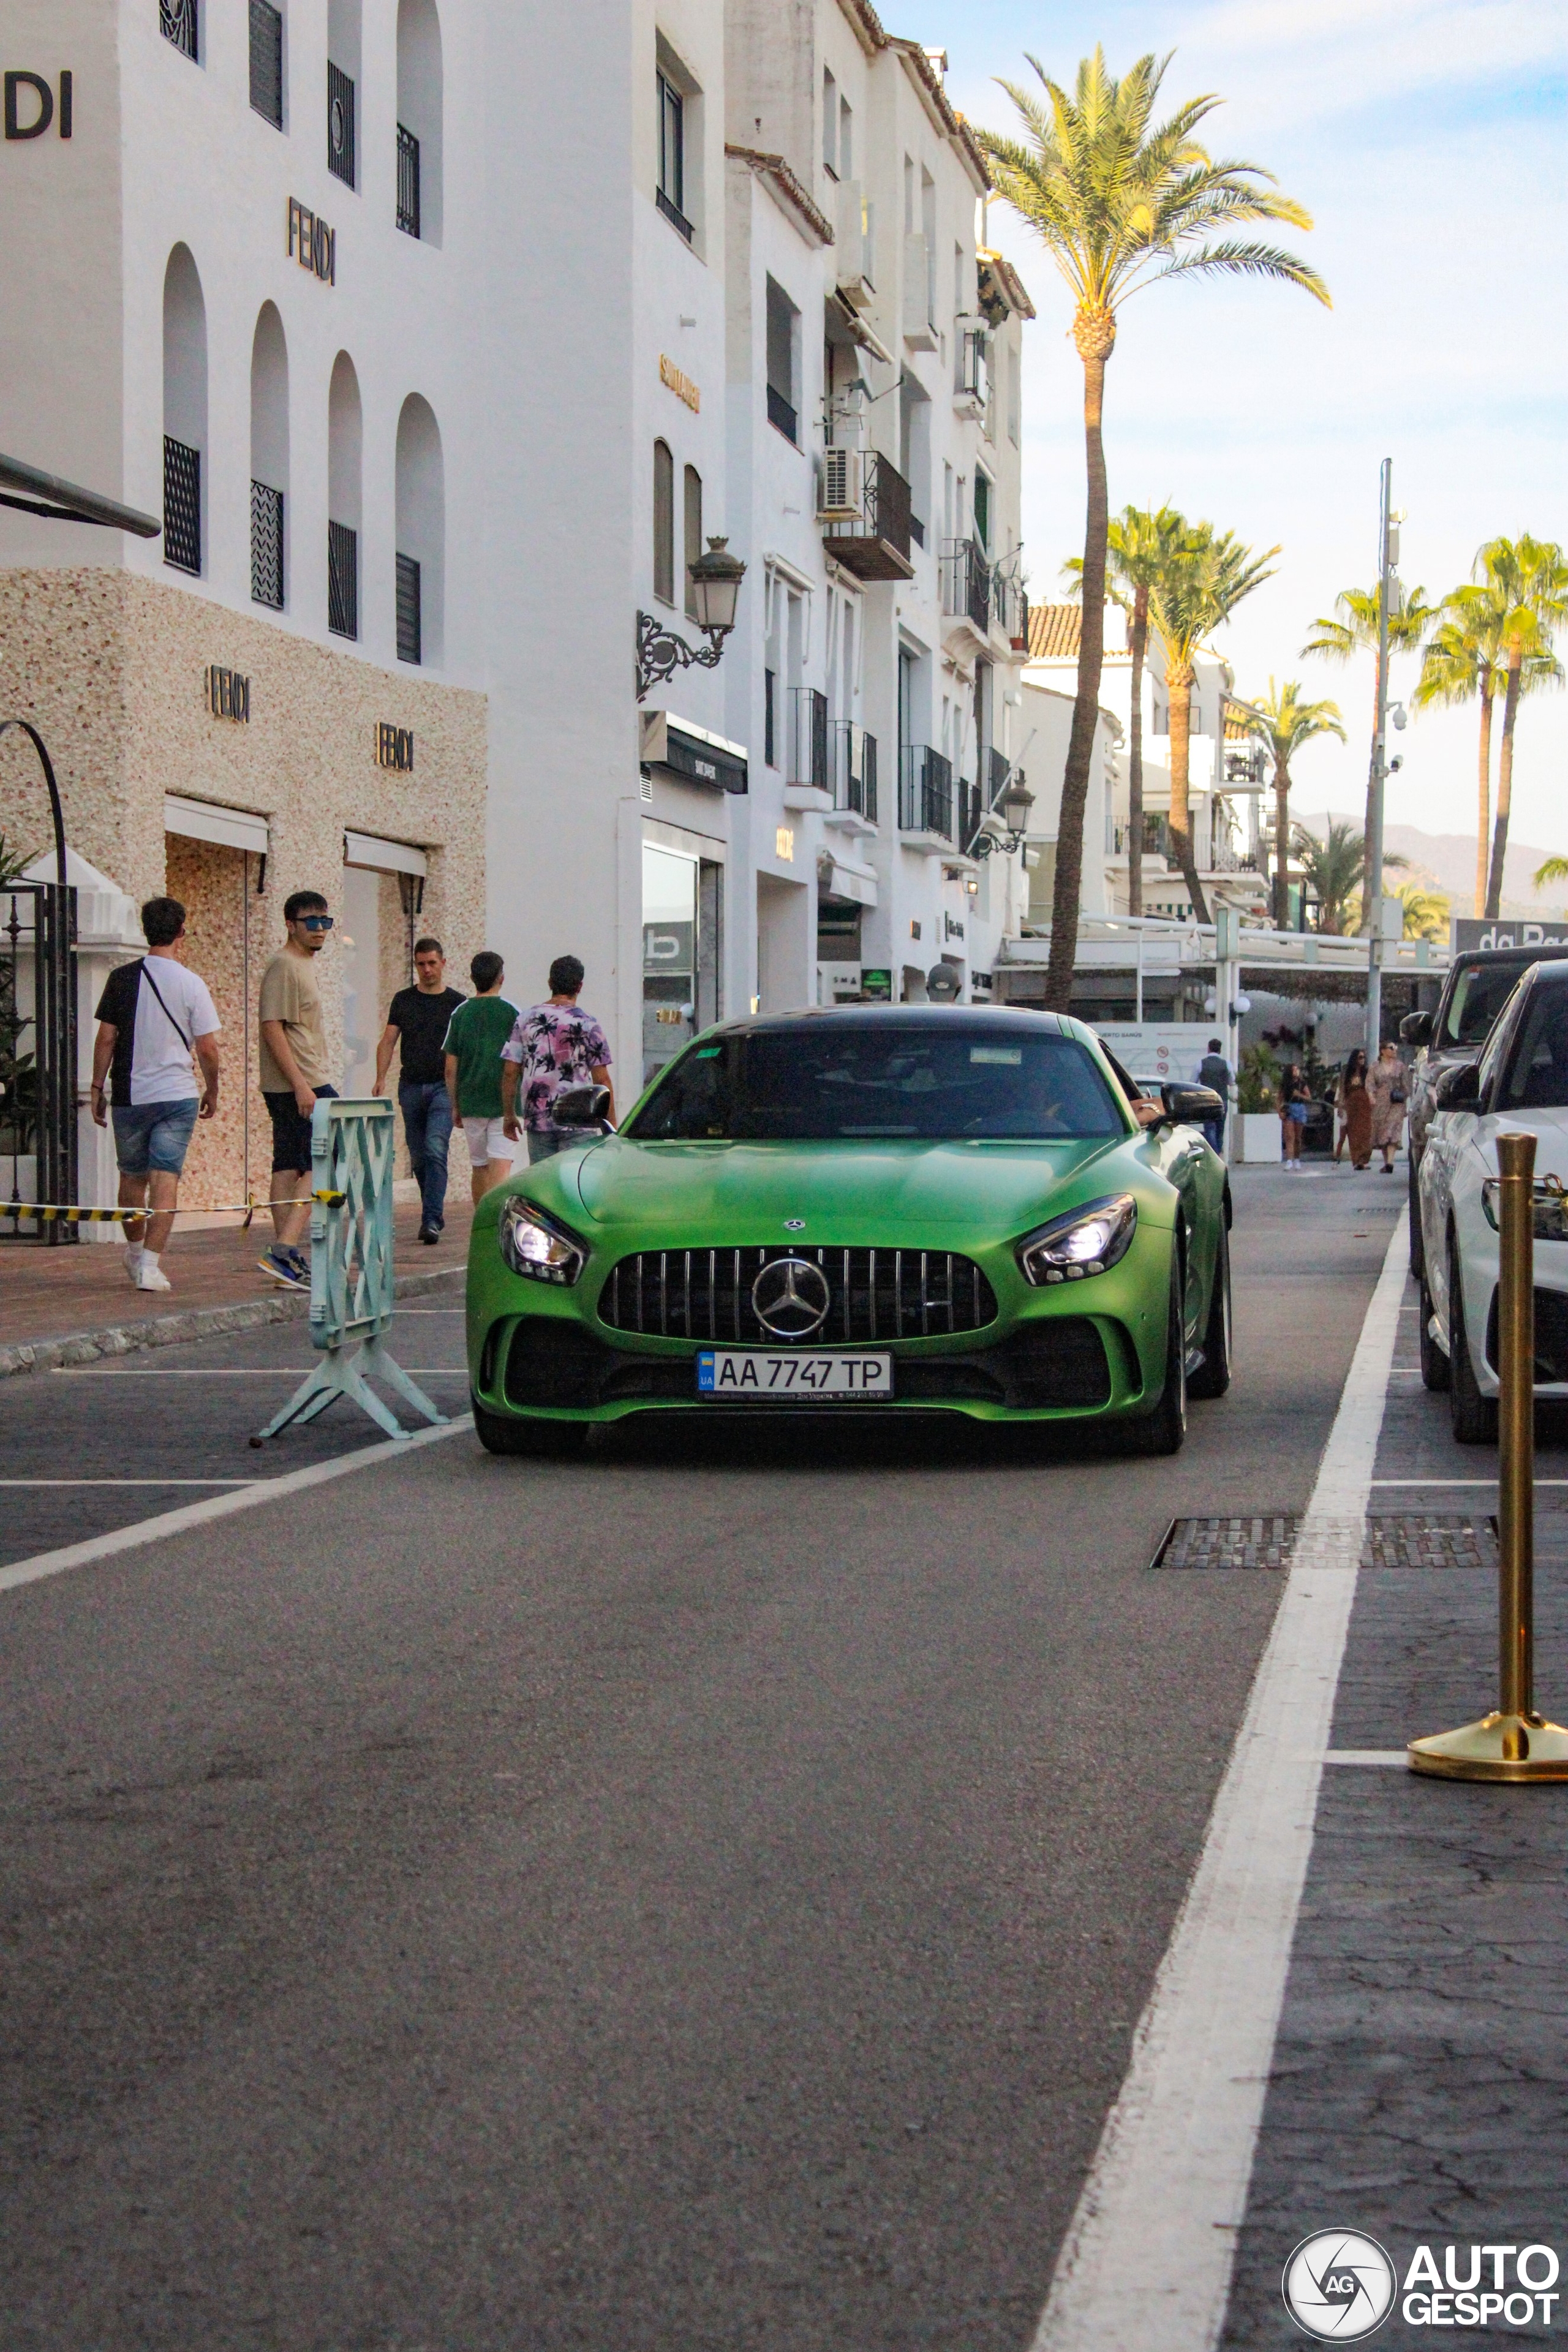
(293, 1061)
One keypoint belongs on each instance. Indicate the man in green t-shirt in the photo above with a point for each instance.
(479, 1029)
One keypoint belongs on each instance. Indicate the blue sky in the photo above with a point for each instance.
(1427, 138)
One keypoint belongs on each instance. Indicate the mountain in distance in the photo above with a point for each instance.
(1447, 861)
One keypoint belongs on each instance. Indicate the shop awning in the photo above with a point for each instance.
(838, 877)
(384, 857)
(209, 821)
(691, 752)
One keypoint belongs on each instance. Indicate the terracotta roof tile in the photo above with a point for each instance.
(1054, 632)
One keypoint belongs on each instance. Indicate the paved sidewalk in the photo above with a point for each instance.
(1417, 2083)
(78, 1292)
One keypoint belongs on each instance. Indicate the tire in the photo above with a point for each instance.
(1417, 1248)
(1437, 1372)
(1473, 1416)
(1165, 1430)
(1213, 1376)
(500, 1433)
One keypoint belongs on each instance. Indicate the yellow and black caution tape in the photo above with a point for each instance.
(52, 1212)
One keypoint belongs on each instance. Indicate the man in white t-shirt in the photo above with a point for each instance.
(152, 1017)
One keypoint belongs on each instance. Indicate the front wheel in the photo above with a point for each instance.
(1165, 1430)
(1473, 1416)
(500, 1433)
(1213, 1376)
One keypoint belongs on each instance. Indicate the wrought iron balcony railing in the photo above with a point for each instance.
(874, 544)
(966, 584)
(855, 772)
(925, 792)
(407, 182)
(267, 546)
(181, 505)
(808, 753)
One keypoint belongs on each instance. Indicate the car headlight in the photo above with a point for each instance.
(1085, 1242)
(534, 1244)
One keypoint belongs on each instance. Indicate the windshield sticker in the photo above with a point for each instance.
(1009, 1057)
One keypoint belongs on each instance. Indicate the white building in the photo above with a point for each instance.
(432, 411)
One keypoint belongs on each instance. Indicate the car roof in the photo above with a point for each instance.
(1020, 1020)
(1501, 959)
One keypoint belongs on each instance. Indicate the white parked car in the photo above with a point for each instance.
(1519, 1084)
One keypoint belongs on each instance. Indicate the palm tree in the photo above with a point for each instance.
(1462, 659)
(1425, 912)
(1529, 577)
(1118, 201)
(1138, 544)
(1284, 722)
(1552, 869)
(1354, 628)
(1203, 579)
(1333, 863)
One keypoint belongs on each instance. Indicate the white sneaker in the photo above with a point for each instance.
(133, 1268)
(153, 1277)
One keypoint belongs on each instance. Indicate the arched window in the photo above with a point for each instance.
(345, 436)
(663, 522)
(693, 519)
(342, 88)
(421, 534)
(184, 410)
(268, 458)
(419, 119)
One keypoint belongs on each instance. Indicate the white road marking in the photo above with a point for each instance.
(1389, 1756)
(226, 1372)
(1147, 2260)
(218, 1506)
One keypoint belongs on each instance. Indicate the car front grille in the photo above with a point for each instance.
(1550, 1336)
(876, 1294)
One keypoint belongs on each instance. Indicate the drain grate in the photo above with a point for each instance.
(1266, 1539)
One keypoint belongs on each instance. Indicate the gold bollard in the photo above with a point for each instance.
(1513, 1743)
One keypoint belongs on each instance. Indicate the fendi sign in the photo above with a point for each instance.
(395, 748)
(311, 243)
(228, 695)
(30, 105)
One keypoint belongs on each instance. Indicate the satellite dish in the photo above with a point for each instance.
(942, 983)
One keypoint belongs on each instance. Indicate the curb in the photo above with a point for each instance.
(196, 1323)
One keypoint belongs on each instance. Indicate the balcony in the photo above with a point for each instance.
(854, 781)
(1010, 610)
(873, 542)
(925, 800)
(808, 784)
(966, 586)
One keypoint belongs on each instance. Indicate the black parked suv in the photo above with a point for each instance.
(1478, 985)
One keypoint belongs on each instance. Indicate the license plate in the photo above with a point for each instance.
(748, 1375)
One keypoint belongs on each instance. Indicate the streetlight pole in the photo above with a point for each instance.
(1372, 886)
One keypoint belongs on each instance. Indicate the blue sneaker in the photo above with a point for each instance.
(281, 1264)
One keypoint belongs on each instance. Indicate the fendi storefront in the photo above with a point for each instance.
(218, 758)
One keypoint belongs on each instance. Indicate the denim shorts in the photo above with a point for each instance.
(153, 1137)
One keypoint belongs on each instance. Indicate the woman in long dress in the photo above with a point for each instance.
(1387, 1088)
(1353, 1104)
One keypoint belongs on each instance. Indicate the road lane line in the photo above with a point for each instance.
(218, 1506)
(1147, 2260)
(131, 1482)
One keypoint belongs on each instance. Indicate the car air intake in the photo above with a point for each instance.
(874, 1295)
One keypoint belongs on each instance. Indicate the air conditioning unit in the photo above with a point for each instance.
(842, 495)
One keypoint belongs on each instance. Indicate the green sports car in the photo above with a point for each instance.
(862, 1208)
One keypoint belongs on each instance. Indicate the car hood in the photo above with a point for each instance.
(845, 1194)
(1549, 1128)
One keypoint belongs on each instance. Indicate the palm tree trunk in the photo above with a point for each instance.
(1281, 846)
(1180, 688)
(1135, 756)
(1095, 335)
(1504, 786)
(1484, 824)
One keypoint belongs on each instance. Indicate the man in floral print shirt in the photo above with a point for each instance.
(555, 1045)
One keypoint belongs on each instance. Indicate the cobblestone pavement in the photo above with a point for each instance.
(1418, 2082)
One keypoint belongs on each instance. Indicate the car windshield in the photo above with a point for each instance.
(909, 1083)
(1480, 991)
(1538, 1071)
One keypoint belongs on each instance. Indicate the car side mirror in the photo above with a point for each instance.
(1459, 1089)
(1416, 1029)
(1191, 1106)
(583, 1107)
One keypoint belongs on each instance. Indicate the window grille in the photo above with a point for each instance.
(340, 123)
(408, 639)
(342, 580)
(177, 23)
(267, 546)
(407, 182)
(182, 506)
(266, 61)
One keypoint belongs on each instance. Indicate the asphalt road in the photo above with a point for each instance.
(697, 1897)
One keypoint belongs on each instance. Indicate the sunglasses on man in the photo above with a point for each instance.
(316, 922)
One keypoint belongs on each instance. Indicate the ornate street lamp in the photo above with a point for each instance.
(715, 579)
(1005, 827)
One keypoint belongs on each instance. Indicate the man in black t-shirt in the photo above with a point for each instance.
(420, 1017)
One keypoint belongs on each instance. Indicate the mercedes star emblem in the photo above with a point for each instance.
(795, 1224)
(790, 1297)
